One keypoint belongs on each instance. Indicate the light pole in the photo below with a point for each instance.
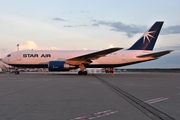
(17, 47)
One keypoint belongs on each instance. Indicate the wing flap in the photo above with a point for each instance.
(155, 55)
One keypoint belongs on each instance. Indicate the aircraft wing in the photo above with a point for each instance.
(156, 55)
(87, 58)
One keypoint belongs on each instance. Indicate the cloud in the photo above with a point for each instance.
(171, 30)
(96, 25)
(32, 45)
(130, 30)
(133, 29)
(71, 26)
(3, 49)
(82, 25)
(4, 52)
(52, 48)
(28, 45)
(176, 48)
(84, 11)
(68, 26)
(111, 46)
(59, 19)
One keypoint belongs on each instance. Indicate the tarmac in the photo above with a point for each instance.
(68, 96)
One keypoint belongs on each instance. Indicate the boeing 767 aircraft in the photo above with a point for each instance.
(65, 60)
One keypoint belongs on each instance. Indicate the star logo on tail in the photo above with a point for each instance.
(147, 35)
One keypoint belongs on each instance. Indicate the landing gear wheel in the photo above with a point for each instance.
(80, 72)
(16, 72)
(85, 73)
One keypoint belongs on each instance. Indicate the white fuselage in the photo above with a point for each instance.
(42, 57)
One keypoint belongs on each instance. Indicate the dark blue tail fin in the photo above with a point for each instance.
(148, 40)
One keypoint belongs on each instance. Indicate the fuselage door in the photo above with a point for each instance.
(19, 57)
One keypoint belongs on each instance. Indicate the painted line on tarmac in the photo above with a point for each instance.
(147, 109)
(96, 115)
(155, 100)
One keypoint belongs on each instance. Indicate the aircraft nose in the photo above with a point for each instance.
(4, 60)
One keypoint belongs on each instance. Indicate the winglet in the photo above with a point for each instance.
(148, 40)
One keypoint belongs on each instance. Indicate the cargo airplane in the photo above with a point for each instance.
(65, 60)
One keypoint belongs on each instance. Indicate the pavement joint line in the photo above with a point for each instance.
(148, 110)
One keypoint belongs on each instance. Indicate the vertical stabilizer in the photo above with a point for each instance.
(148, 40)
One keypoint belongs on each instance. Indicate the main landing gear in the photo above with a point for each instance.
(16, 71)
(109, 70)
(82, 73)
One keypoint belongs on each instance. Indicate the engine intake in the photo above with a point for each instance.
(59, 66)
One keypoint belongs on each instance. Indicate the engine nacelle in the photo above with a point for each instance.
(59, 66)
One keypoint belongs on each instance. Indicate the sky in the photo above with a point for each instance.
(89, 25)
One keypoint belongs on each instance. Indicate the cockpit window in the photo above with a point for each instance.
(9, 55)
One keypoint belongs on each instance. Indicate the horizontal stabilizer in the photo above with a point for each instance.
(156, 55)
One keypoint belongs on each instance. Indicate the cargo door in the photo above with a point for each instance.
(19, 57)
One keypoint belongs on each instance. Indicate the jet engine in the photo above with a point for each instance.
(59, 66)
